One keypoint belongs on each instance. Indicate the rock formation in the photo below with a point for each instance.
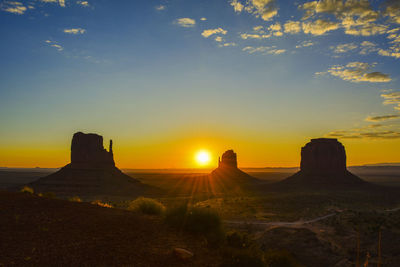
(228, 160)
(91, 174)
(323, 165)
(323, 156)
(87, 151)
(229, 177)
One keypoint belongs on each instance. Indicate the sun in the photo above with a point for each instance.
(203, 157)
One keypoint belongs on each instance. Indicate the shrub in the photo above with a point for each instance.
(147, 206)
(48, 194)
(203, 221)
(75, 199)
(101, 204)
(238, 240)
(27, 189)
(241, 250)
(280, 258)
(233, 257)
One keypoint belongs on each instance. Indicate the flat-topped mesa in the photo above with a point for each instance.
(228, 160)
(87, 151)
(323, 156)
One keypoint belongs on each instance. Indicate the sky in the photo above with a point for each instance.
(165, 79)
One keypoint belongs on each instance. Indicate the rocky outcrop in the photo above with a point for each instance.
(322, 166)
(87, 151)
(228, 177)
(228, 160)
(91, 174)
(323, 156)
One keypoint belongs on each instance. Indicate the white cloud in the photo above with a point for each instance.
(358, 72)
(160, 7)
(319, 27)
(209, 32)
(246, 36)
(75, 31)
(185, 22)
(382, 118)
(344, 48)
(227, 44)
(265, 9)
(237, 6)
(392, 98)
(60, 2)
(292, 27)
(218, 39)
(368, 47)
(55, 45)
(265, 50)
(13, 7)
(305, 44)
(83, 3)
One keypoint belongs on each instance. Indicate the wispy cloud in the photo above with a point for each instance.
(237, 6)
(358, 72)
(55, 45)
(392, 98)
(264, 9)
(292, 27)
(265, 50)
(83, 3)
(60, 2)
(382, 118)
(160, 7)
(13, 7)
(185, 22)
(209, 32)
(344, 48)
(75, 31)
(319, 27)
(305, 44)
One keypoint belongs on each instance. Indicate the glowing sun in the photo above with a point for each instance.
(203, 157)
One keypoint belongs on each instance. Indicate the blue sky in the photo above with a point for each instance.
(246, 73)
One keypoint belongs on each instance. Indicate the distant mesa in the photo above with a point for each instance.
(323, 156)
(87, 151)
(323, 164)
(229, 176)
(91, 174)
(228, 160)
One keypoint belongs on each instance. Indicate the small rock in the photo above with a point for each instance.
(182, 254)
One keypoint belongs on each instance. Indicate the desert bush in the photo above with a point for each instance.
(75, 199)
(27, 189)
(48, 194)
(237, 239)
(203, 221)
(101, 204)
(233, 257)
(280, 258)
(147, 206)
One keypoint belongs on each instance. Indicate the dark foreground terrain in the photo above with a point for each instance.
(37, 231)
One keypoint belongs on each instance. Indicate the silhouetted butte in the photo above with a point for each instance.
(91, 174)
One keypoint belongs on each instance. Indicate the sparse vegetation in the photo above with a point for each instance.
(47, 195)
(203, 221)
(147, 206)
(101, 204)
(27, 189)
(75, 199)
(280, 258)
